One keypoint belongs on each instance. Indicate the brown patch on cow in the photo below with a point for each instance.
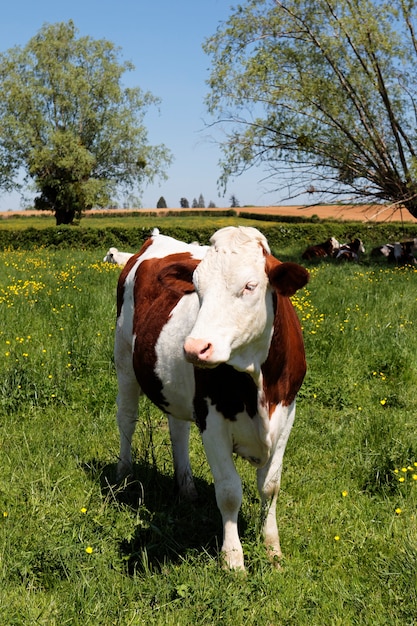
(156, 292)
(125, 271)
(230, 391)
(285, 368)
(178, 277)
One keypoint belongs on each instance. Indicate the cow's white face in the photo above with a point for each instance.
(235, 320)
(335, 244)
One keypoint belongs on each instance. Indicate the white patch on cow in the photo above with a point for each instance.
(171, 367)
(163, 246)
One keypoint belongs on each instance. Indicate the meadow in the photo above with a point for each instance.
(76, 550)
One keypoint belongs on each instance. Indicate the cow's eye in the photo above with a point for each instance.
(251, 286)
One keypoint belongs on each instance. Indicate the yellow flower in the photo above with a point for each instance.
(383, 401)
(344, 493)
(83, 510)
(336, 538)
(89, 550)
(402, 479)
(5, 514)
(398, 511)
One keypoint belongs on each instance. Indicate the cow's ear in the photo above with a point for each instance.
(178, 277)
(288, 277)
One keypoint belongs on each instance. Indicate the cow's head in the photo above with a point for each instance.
(334, 244)
(235, 283)
(109, 258)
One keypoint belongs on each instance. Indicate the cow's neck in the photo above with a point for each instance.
(250, 359)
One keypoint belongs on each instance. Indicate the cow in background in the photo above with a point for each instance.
(386, 250)
(400, 253)
(114, 255)
(321, 250)
(211, 337)
(350, 251)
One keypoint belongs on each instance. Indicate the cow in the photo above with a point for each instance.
(210, 335)
(350, 251)
(321, 250)
(401, 253)
(386, 250)
(113, 255)
(408, 248)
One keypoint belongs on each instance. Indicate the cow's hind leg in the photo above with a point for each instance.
(180, 438)
(268, 485)
(127, 414)
(269, 480)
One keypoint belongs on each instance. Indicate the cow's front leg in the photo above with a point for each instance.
(228, 487)
(180, 440)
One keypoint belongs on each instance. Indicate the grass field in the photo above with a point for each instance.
(74, 551)
(123, 220)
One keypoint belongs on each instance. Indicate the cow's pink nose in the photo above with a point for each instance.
(197, 349)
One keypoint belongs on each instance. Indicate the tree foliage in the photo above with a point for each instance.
(68, 123)
(323, 93)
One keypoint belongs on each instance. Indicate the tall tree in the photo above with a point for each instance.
(201, 202)
(184, 203)
(234, 202)
(68, 123)
(323, 94)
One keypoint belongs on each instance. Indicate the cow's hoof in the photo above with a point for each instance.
(274, 557)
(124, 473)
(233, 561)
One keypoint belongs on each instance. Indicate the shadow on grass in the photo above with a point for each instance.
(170, 528)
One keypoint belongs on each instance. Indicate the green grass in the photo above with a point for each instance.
(72, 551)
(147, 220)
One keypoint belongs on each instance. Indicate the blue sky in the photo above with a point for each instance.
(163, 39)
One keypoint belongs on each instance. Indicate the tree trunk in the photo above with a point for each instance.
(411, 206)
(64, 216)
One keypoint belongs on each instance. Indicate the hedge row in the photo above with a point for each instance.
(131, 238)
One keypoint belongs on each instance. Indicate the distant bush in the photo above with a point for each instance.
(278, 234)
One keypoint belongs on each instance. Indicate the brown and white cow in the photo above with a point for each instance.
(210, 335)
(350, 251)
(321, 250)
